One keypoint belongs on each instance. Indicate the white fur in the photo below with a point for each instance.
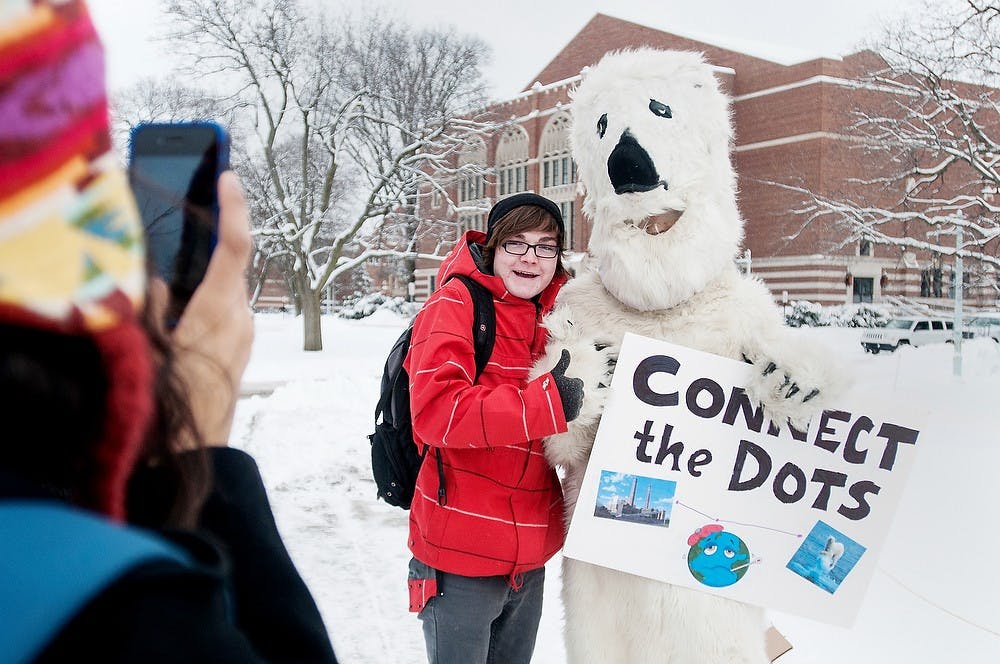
(681, 286)
(691, 152)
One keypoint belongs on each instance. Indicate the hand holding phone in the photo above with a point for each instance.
(213, 337)
(173, 170)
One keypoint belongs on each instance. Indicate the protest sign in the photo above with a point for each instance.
(690, 483)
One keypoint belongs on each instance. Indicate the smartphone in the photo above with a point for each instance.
(173, 170)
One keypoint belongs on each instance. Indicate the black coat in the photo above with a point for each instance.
(243, 601)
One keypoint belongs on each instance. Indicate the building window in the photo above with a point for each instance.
(931, 282)
(513, 178)
(512, 161)
(864, 247)
(557, 168)
(473, 222)
(472, 178)
(471, 188)
(566, 208)
(864, 287)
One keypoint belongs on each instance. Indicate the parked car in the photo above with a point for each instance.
(912, 330)
(986, 325)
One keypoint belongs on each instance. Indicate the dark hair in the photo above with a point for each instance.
(54, 391)
(53, 412)
(175, 484)
(519, 220)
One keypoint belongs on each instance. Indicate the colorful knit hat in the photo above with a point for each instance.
(72, 258)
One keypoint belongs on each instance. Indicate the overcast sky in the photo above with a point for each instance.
(526, 34)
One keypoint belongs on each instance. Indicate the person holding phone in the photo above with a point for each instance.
(94, 389)
(477, 572)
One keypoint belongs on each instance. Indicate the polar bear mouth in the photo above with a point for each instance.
(658, 223)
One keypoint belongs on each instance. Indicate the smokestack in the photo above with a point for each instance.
(649, 490)
(631, 495)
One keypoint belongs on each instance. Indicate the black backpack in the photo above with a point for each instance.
(395, 457)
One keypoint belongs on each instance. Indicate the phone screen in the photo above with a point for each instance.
(173, 171)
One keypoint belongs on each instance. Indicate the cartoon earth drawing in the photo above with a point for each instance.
(717, 558)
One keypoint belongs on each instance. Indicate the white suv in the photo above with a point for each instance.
(913, 330)
(986, 325)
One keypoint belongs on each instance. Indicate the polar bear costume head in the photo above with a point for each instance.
(651, 137)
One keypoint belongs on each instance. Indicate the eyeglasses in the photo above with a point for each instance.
(518, 248)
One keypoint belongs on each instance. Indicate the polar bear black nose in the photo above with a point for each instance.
(630, 168)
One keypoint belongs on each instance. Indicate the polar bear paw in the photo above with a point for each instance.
(794, 389)
(593, 363)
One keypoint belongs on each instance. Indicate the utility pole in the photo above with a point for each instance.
(959, 277)
(959, 288)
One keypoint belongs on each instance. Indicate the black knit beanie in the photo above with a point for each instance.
(506, 205)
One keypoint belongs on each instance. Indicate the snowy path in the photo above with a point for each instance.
(932, 600)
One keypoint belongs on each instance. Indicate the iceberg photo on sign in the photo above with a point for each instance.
(826, 557)
(635, 499)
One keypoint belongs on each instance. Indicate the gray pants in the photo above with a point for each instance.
(482, 620)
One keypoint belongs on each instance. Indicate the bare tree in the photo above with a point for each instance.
(352, 122)
(170, 99)
(166, 99)
(935, 136)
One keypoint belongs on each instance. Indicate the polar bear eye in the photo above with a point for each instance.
(659, 108)
(602, 125)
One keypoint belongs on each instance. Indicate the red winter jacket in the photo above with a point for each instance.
(504, 509)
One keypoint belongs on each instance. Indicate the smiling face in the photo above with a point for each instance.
(528, 275)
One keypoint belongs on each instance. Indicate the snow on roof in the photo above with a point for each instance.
(782, 55)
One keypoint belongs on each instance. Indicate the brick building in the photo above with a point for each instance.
(792, 127)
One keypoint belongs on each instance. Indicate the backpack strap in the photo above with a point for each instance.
(388, 388)
(54, 560)
(484, 321)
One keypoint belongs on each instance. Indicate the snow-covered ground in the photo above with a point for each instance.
(933, 598)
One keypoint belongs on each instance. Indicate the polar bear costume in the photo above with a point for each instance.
(651, 137)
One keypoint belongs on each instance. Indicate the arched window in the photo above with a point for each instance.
(472, 171)
(558, 171)
(512, 161)
(558, 168)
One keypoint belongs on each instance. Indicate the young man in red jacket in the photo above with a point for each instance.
(478, 557)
